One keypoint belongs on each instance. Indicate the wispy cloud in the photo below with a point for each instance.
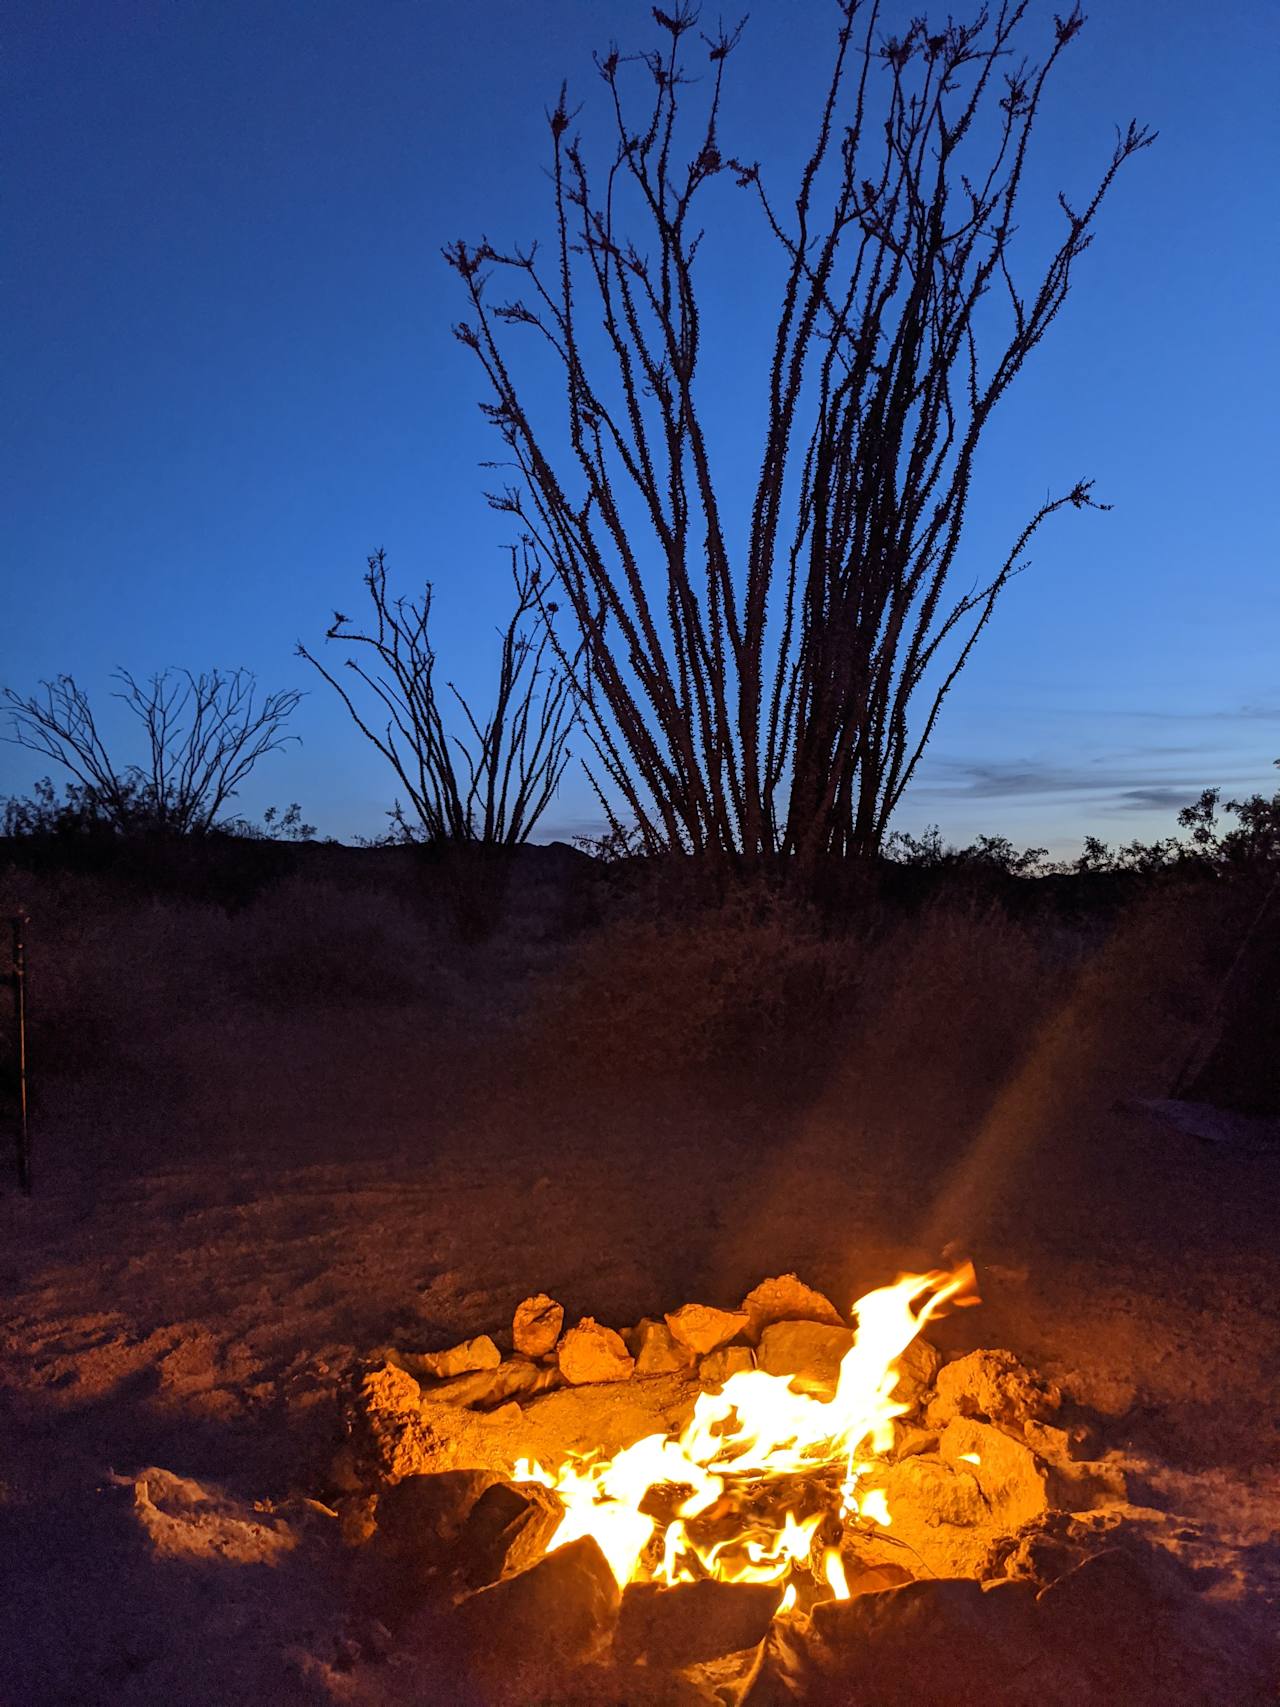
(1135, 784)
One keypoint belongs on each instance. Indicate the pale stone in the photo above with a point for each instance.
(702, 1328)
(656, 1351)
(809, 1352)
(993, 1385)
(716, 1368)
(1012, 1482)
(536, 1326)
(514, 1377)
(786, 1298)
(461, 1359)
(591, 1352)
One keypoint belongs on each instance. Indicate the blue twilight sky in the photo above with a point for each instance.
(230, 373)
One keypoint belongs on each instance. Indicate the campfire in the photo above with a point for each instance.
(779, 1460)
(768, 1504)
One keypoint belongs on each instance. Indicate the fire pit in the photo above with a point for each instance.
(765, 1504)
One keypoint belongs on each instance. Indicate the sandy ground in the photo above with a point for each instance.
(217, 1235)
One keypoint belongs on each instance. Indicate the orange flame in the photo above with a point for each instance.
(755, 1430)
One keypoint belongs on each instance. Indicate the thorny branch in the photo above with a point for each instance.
(511, 765)
(755, 703)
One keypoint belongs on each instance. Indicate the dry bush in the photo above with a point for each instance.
(700, 988)
(108, 969)
(120, 977)
(949, 999)
(317, 942)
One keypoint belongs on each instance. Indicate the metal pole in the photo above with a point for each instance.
(20, 1020)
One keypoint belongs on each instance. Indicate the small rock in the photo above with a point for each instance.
(1047, 1549)
(784, 1298)
(716, 1368)
(993, 1385)
(479, 1353)
(702, 1328)
(558, 1612)
(357, 1518)
(508, 1530)
(536, 1325)
(917, 1371)
(908, 1441)
(688, 1623)
(810, 1352)
(514, 1378)
(591, 1352)
(656, 1351)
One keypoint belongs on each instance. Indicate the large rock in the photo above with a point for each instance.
(956, 1511)
(422, 1514)
(536, 1326)
(702, 1328)
(994, 1386)
(690, 1622)
(516, 1635)
(1127, 1626)
(591, 1352)
(785, 1298)
(407, 1560)
(927, 1644)
(657, 1351)
(507, 1530)
(809, 1352)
